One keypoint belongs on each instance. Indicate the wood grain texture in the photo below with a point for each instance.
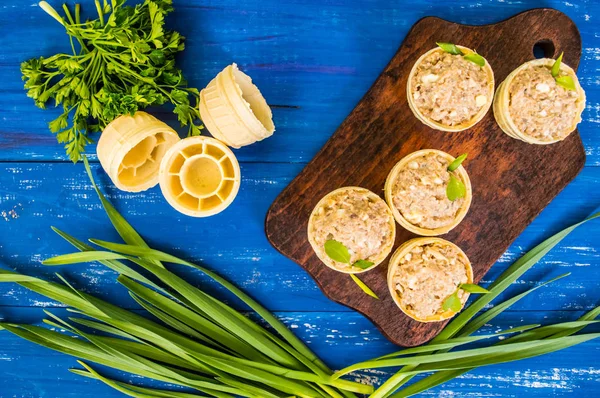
(512, 181)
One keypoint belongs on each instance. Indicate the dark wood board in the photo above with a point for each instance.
(512, 181)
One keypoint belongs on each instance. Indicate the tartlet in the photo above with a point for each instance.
(449, 93)
(415, 190)
(530, 106)
(423, 273)
(357, 218)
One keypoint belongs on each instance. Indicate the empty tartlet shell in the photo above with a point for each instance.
(131, 148)
(439, 126)
(405, 248)
(320, 251)
(501, 105)
(389, 194)
(234, 110)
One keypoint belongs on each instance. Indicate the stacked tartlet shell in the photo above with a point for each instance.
(131, 148)
(320, 250)
(389, 194)
(502, 102)
(234, 110)
(439, 126)
(404, 249)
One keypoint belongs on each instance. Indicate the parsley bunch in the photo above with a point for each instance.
(125, 62)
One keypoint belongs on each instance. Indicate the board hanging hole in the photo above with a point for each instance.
(544, 49)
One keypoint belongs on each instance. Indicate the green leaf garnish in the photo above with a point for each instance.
(475, 58)
(566, 82)
(556, 66)
(563, 81)
(450, 48)
(363, 264)
(364, 287)
(456, 188)
(337, 251)
(452, 303)
(194, 320)
(472, 288)
(457, 162)
(454, 50)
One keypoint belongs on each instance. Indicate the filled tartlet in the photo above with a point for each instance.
(539, 105)
(450, 91)
(351, 230)
(419, 192)
(422, 275)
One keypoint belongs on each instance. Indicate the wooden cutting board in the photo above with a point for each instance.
(512, 181)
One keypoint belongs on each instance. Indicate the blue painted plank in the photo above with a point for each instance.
(319, 56)
(340, 339)
(35, 196)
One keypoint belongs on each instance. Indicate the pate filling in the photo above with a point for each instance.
(449, 89)
(427, 276)
(539, 107)
(419, 192)
(360, 221)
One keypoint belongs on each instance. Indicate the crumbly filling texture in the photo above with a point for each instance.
(540, 108)
(428, 275)
(449, 89)
(419, 192)
(361, 222)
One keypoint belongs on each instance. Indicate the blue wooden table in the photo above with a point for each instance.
(313, 60)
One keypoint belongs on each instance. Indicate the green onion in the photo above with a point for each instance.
(464, 324)
(194, 341)
(198, 342)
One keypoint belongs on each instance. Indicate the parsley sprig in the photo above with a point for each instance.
(122, 61)
(454, 50)
(563, 81)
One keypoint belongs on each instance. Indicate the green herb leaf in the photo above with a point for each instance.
(457, 162)
(363, 264)
(566, 82)
(337, 251)
(472, 288)
(364, 287)
(456, 188)
(125, 63)
(452, 303)
(556, 66)
(475, 58)
(450, 48)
